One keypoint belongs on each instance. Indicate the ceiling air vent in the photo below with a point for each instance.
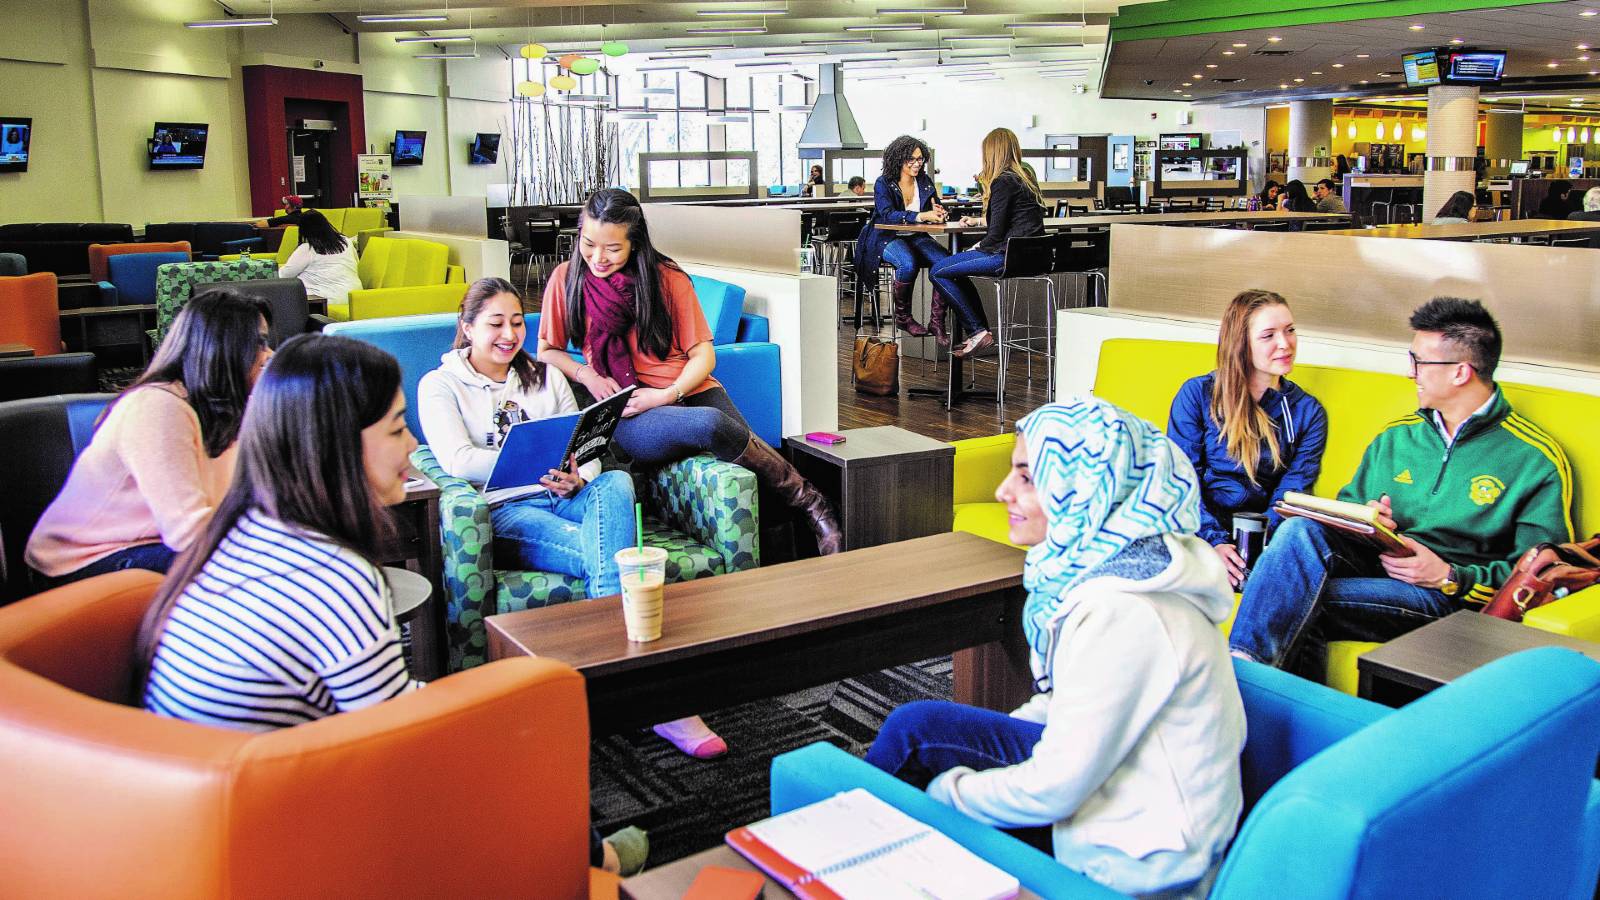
(1272, 53)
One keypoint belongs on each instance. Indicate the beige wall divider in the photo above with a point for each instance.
(1547, 299)
(762, 238)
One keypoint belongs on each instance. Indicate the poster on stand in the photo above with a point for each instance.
(373, 184)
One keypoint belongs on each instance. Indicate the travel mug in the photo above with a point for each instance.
(1249, 536)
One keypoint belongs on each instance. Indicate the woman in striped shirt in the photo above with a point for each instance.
(279, 613)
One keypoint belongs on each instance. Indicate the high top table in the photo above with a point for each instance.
(1476, 231)
(762, 632)
(1101, 220)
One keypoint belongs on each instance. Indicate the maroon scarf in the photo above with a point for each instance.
(609, 305)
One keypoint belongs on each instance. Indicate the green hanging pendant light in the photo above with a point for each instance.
(614, 48)
(584, 66)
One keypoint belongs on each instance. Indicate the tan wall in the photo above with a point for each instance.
(44, 54)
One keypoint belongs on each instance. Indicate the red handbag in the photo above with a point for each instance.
(1545, 573)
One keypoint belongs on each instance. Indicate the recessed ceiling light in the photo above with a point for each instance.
(1188, 95)
(1589, 12)
(1299, 80)
(1364, 81)
(1582, 47)
(906, 27)
(1274, 39)
(1198, 75)
(1188, 84)
(1457, 41)
(1338, 65)
(1211, 65)
(1227, 53)
(1176, 91)
(1283, 86)
(1551, 65)
(1584, 58)
(1363, 56)
(1415, 27)
(1316, 73)
(1241, 45)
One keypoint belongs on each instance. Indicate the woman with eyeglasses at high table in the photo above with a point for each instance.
(904, 195)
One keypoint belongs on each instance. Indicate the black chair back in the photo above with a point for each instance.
(1028, 257)
(285, 298)
(39, 440)
(541, 237)
(1080, 251)
(1119, 197)
(23, 377)
(846, 226)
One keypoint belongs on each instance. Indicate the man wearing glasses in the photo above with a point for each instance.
(1467, 483)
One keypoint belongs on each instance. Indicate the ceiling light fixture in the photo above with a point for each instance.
(1047, 24)
(1211, 65)
(837, 41)
(739, 29)
(444, 39)
(742, 13)
(1227, 53)
(967, 56)
(1415, 27)
(1241, 45)
(906, 27)
(231, 23)
(1338, 65)
(634, 116)
(1079, 45)
(1589, 12)
(925, 10)
(1316, 73)
(472, 55)
(758, 65)
(979, 37)
(1188, 84)
(1274, 39)
(730, 119)
(699, 47)
(681, 56)
(397, 18)
(1283, 87)
(1551, 65)
(795, 53)
(1363, 56)
(1457, 41)
(1299, 81)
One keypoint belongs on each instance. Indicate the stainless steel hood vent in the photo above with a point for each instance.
(831, 125)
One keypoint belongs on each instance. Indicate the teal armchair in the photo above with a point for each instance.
(702, 511)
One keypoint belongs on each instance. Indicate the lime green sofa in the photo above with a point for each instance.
(1142, 376)
(354, 221)
(402, 277)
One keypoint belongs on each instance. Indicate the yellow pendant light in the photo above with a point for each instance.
(1379, 130)
(563, 82)
(534, 51)
(530, 89)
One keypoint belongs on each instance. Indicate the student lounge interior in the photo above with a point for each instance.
(1176, 152)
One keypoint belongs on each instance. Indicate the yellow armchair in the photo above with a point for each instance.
(1142, 376)
(402, 277)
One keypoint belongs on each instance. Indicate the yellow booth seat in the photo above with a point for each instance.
(351, 221)
(402, 277)
(1142, 376)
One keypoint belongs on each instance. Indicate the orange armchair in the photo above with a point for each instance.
(99, 253)
(30, 314)
(103, 799)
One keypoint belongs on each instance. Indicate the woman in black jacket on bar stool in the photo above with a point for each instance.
(1012, 207)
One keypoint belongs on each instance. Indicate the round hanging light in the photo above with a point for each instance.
(1379, 129)
(1555, 135)
(1333, 129)
(614, 48)
(563, 82)
(1351, 131)
(530, 89)
(567, 59)
(534, 51)
(584, 66)
(1572, 134)
(1417, 133)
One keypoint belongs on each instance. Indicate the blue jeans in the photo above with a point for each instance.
(1313, 583)
(156, 557)
(574, 536)
(913, 252)
(949, 277)
(706, 422)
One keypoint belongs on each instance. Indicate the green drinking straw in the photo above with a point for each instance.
(638, 525)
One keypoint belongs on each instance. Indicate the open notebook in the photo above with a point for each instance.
(1351, 518)
(853, 846)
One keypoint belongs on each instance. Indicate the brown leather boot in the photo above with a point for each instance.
(776, 472)
(902, 309)
(936, 314)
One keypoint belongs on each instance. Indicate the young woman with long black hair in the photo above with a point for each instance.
(634, 314)
(163, 452)
(904, 195)
(325, 261)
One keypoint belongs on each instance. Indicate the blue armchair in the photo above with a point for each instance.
(701, 510)
(1484, 788)
(132, 277)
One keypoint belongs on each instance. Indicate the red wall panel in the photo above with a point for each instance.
(266, 88)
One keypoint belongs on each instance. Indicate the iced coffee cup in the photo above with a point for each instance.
(643, 573)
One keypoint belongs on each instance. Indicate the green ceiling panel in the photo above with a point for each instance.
(1181, 18)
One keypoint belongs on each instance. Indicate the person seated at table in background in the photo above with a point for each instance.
(1555, 204)
(815, 178)
(903, 195)
(293, 208)
(163, 451)
(571, 521)
(1467, 483)
(1251, 433)
(280, 613)
(1327, 197)
(1459, 209)
(1270, 193)
(1012, 207)
(1591, 207)
(634, 313)
(325, 261)
(857, 185)
(1295, 199)
(1341, 167)
(1130, 752)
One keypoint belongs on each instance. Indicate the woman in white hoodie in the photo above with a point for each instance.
(1130, 750)
(572, 521)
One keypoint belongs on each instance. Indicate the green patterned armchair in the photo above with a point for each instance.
(175, 284)
(703, 512)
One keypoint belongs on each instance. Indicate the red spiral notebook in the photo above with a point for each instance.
(853, 846)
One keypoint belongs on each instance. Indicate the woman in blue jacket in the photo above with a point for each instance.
(1252, 434)
(904, 195)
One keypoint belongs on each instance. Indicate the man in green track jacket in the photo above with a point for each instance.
(1467, 482)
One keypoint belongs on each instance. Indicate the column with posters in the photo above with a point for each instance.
(373, 184)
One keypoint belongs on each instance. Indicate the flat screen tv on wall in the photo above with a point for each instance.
(408, 146)
(178, 145)
(14, 136)
(485, 149)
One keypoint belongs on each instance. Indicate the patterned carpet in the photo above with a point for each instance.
(687, 805)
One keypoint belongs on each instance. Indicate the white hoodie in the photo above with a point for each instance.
(1138, 767)
(456, 405)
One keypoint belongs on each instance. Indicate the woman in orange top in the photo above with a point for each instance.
(634, 313)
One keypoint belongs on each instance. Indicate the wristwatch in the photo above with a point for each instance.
(679, 391)
(1449, 586)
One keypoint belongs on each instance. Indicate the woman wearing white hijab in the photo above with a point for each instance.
(1130, 750)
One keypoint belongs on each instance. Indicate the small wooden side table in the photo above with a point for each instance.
(416, 519)
(886, 484)
(1442, 651)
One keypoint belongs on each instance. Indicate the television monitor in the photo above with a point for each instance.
(1470, 67)
(1188, 141)
(485, 149)
(178, 145)
(1422, 68)
(408, 147)
(14, 136)
(1519, 167)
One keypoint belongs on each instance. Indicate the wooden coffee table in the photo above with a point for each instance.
(887, 484)
(1442, 651)
(671, 880)
(776, 629)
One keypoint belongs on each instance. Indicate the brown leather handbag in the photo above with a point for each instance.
(876, 365)
(1545, 573)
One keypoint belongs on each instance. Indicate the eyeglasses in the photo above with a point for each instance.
(1434, 362)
